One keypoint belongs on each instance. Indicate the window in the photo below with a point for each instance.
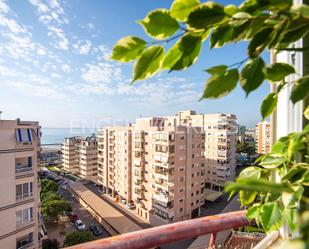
(23, 190)
(24, 216)
(23, 136)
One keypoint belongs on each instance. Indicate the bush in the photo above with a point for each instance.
(50, 244)
(78, 238)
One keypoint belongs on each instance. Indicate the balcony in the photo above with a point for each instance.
(23, 165)
(157, 236)
(24, 196)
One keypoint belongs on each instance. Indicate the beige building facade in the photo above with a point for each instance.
(263, 137)
(155, 165)
(19, 189)
(80, 156)
(220, 144)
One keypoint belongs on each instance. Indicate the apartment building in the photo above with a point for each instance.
(263, 137)
(80, 156)
(115, 162)
(69, 154)
(87, 151)
(220, 144)
(161, 168)
(19, 189)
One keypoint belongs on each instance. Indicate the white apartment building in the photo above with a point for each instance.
(220, 144)
(69, 154)
(162, 169)
(19, 189)
(88, 158)
(80, 156)
(263, 137)
(115, 161)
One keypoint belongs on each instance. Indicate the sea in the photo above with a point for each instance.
(57, 135)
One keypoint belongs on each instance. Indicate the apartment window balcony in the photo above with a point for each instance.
(24, 136)
(23, 165)
(25, 241)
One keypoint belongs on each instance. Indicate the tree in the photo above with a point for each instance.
(265, 25)
(48, 185)
(246, 147)
(77, 238)
(48, 196)
(53, 209)
(50, 244)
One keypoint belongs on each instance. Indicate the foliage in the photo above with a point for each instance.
(48, 196)
(50, 244)
(78, 237)
(48, 185)
(53, 209)
(265, 25)
(246, 147)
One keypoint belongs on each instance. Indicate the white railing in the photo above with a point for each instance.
(23, 169)
(22, 222)
(19, 197)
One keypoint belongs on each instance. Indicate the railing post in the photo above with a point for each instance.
(212, 241)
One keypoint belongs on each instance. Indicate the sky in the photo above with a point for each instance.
(55, 67)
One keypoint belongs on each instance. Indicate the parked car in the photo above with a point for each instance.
(95, 230)
(73, 217)
(130, 205)
(80, 226)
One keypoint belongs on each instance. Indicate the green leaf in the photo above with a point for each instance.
(190, 47)
(242, 15)
(251, 172)
(247, 197)
(280, 145)
(252, 75)
(159, 24)
(180, 9)
(221, 35)
(301, 10)
(257, 185)
(296, 173)
(148, 62)
(217, 69)
(294, 32)
(269, 104)
(300, 89)
(271, 217)
(172, 56)
(253, 211)
(259, 42)
(219, 85)
(206, 15)
(128, 48)
(291, 200)
(306, 112)
(230, 9)
(278, 71)
(271, 161)
(291, 217)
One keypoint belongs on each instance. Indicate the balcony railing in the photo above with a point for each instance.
(26, 245)
(23, 169)
(20, 197)
(156, 236)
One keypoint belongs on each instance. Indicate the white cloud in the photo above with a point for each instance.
(66, 68)
(101, 73)
(83, 47)
(62, 41)
(4, 8)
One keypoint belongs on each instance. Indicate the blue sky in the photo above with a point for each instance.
(55, 67)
